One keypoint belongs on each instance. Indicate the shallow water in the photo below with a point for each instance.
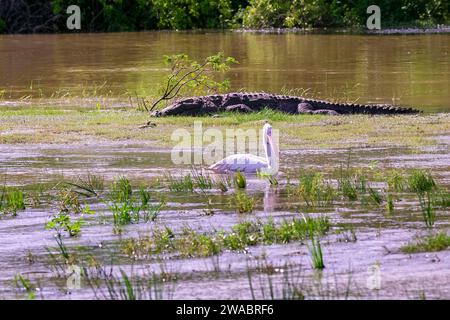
(411, 70)
(379, 235)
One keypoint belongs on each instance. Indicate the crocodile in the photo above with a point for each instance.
(251, 102)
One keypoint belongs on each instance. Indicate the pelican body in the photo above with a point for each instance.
(249, 163)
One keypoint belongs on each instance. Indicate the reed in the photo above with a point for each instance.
(423, 184)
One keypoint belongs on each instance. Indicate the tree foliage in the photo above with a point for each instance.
(23, 16)
(189, 76)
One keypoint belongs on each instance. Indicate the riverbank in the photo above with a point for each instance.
(29, 125)
(404, 30)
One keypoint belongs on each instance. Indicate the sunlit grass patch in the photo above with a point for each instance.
(299, 131)
(437, 242)
(11, 200)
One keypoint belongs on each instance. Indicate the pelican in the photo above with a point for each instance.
(249, 163)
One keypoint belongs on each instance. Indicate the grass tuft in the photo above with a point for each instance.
(438, 242)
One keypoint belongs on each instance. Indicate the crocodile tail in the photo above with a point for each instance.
(353, 108)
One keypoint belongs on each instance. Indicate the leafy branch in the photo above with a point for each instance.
(191, 76)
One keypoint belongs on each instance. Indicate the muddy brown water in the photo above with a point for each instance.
(411, 70)
(348, 264)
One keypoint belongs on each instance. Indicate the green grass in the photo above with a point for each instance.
(396, 181)
(191, 243)
(423, 184)
(314, 190)
(131, 211)
(145, 285)
(121, 190)
(89, 186)
(438, 242)
(12, 200)
(390, 203)
(26, 285)
(183, 183)
(299, 131)
(315, 250)
(265, 285)
(375, 196)
(202, 180)
(243, 202)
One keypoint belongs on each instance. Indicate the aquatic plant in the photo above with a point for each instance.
(127, 209)
(222, 184)
(437, 242)
(26, 285)
(315, 250)
(390, 203)
(396, 181)
(271, 178)
(375, 196)
(121, 190)
(346, 233)
(243, 202)
(239, 180)
(105, 284)
(11, 200)
(89, 186)
(124, 212)
(149, 211)
(191, 243)
(442, 199)
(60, 257)
(62, 221)
(68, 201)
(348, 188)
(423, 184)
(202, 180)
(178, 184)
(314, 190)
(269, 286)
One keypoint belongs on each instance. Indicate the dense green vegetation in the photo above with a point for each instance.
(121, 15)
